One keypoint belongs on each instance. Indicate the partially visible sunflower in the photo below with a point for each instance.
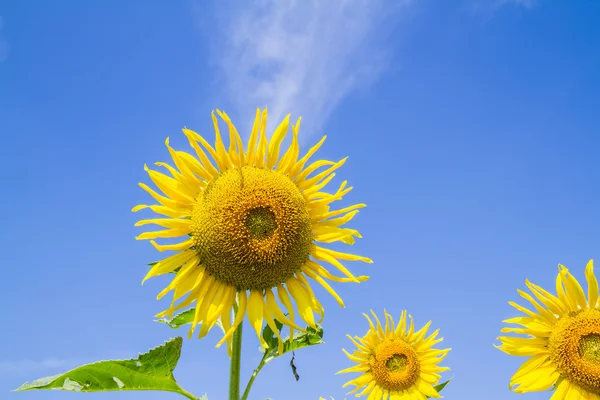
(396, 362)
(252, 221)
(562, 339)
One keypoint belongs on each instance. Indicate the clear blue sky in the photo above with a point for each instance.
(473, 133)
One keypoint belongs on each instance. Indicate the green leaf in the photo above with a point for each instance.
(269, 336)
(150, 371)
(311, 337)
(183, 318)
(438, 388)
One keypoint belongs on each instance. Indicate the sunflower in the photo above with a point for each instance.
(396, 362)
(562, 339)
(252, 224)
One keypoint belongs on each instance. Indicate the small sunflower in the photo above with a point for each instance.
(396, 362)
(252, 224)
(562, 339)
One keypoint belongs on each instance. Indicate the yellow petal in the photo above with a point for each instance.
(219, 146)
(253, 139)
(276, 139)
(271, 324)
(255, 314)
(285, 299)
(188, 273)
(312, 168)
(315, 303)
(325, 285)
(273, 308)
(171, 223)
(592, 284)
(303, 301)
(226, 322)
(291, 155)
(320, 270)
(263, 143)
(173, 247)
(321, 254)
(187, 173)
(236, 147)
(163, 210)
(573, 289)
(322, 175)
(165, 201)
(171, 187)
(561, 390)
(300, 164)
(239, 317)
(193, 138)
(170, 263)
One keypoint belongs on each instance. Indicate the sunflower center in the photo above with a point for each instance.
(251, 228)
(575, 348)
(260, 222)
(395, 365)
(589, 348)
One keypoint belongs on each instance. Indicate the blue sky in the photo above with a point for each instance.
(471, 126)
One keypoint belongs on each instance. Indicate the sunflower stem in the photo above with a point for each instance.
(253, 377)
(236, 356)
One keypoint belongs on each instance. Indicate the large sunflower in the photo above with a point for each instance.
(562, 339)
(396, 362)
(252, 223)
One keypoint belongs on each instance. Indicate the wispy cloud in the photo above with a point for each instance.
(4, 48)
(301, 57)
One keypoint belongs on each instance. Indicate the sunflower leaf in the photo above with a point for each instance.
(311, 337)
(149, 371)
(269, 336)
(183, 318)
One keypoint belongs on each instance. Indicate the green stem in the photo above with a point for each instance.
(236, 356)
(187, 394)
(252, 378)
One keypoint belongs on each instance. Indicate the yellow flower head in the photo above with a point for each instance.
(252, 224)
(396, 362)
(562, 339)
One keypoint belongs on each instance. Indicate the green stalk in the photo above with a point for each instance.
(253, 377)
(236, 356)
(187, 394)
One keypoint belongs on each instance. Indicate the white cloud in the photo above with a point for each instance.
(3, 43)
(300, 57)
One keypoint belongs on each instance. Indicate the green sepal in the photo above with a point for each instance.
(149, 371)
(175, 271)
(438, 388)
